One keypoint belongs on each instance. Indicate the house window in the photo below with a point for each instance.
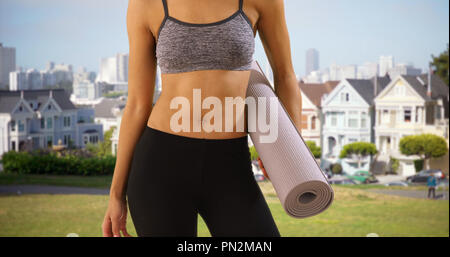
(49, 122)
(352, 123)
(313, 122)
(13, 145)
(304, 121)
(385, 116)
(49, 141)
(66, 121)
(21, 126)
(438, 112)
(417, 114)
(85, 139)
(353, 119)
(407, 114)
(333, 119)
(66, 139)
(363, 120)
(42, 123)
(13, 125)
(351, 140)
(93, 139)
(20, 108)
(400, 90)
(345, 97)
(49, 107)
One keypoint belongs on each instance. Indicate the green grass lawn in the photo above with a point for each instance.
(105, 182)
(56, 180)
(355, 212)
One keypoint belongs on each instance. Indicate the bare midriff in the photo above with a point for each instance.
(216, 83)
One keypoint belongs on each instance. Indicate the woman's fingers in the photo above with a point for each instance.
(124, 231)
(123, 224)
(116, 227)
(106, 227)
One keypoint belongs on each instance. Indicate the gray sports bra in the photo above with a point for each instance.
(227, 44)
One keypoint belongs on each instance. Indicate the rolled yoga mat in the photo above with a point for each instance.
(300, 184)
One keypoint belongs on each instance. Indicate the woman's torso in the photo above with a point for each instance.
(179, 78)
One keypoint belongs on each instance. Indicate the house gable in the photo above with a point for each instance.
(53, 106)
(22, 107)
(399, 90)
(338, 97)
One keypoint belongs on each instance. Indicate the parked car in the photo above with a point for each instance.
(397, 183)
(363, 177)
(259, 177)
(341, 180)
(423, 175)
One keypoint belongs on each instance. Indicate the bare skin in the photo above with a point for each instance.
(144, 18)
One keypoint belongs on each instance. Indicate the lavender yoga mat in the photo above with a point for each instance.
(300, 184)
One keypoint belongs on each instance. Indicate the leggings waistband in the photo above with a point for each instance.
(179, 138)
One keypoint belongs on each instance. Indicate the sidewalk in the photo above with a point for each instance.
(40, 189)
(423, 194)
(383, 179)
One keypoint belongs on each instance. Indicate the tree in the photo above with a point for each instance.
(425, 145)
(336, 168)
(316, 150)
(439, 65)
(103, 148)
(358, 150)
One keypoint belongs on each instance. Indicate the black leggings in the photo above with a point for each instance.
(173, 178)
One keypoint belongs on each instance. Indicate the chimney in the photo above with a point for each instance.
(21, 93)
(429, 82)
(51, 93)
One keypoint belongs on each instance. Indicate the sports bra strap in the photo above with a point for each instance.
(166, 9)
(240, 4)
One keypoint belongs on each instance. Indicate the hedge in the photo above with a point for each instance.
(29, 163)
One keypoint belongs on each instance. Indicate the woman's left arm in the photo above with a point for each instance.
(274, 36)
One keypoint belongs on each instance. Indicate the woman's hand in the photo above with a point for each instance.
(262, 168)
(115, 219)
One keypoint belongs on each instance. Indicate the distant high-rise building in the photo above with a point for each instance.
(386, 63)
(7, 64)
(367, 70)
(29, 80)
(404, 69)
(50, 66)
(18, 80)
(114, 69)
(312, 61)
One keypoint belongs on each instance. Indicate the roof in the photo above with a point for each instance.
(365, 87)
(315, 91)
(9, 99)
(105, 108)
(438, 87)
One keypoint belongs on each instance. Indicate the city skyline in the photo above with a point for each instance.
(409, 30)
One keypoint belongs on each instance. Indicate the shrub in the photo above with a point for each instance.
(336, 168)
(418, 164)
(50, 163)
(394, 165)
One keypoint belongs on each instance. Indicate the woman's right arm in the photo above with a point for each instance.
(141, 84)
